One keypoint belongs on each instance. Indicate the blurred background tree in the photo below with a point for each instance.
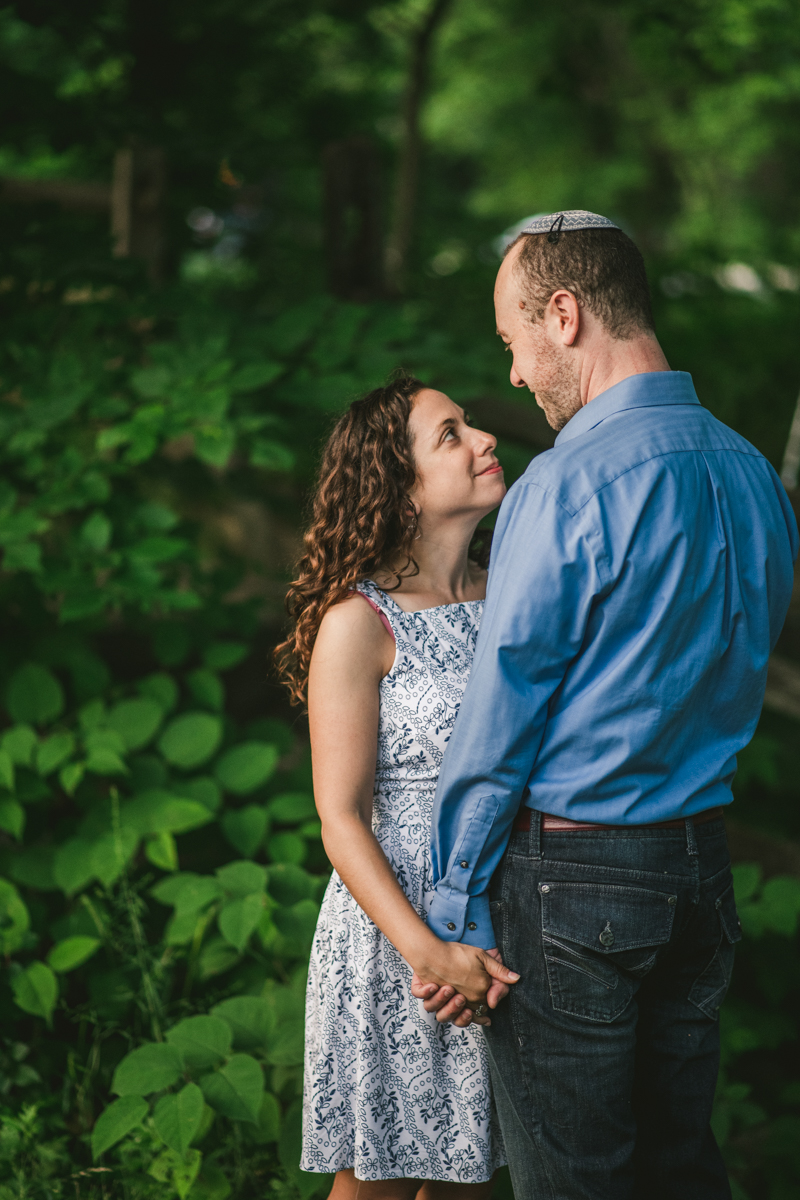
(219, 223)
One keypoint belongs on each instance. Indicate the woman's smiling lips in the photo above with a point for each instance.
(495, 467)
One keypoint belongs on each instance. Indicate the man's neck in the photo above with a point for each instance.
(609, 362)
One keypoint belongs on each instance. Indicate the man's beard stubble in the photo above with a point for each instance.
(559, 393)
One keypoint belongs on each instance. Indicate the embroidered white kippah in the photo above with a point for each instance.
(560, 222)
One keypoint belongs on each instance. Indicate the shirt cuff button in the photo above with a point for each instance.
(464, 863)
(472, 925)
(451, 925)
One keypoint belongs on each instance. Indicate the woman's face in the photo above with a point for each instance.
(457, 472)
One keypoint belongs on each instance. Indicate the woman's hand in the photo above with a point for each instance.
(467, 968)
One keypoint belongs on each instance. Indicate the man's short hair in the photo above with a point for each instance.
(602, 268)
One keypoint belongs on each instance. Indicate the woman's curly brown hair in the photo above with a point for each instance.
(362, 518)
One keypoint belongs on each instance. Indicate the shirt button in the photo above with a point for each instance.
(545, 888)
(672, 899)
(472, 925)
(607, 938)
(451, 925)
(464, 863)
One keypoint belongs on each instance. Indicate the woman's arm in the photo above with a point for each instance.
(352, 653)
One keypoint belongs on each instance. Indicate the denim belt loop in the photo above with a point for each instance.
(691, 840)
(535, 835)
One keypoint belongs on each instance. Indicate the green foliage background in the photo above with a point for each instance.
(160, 859)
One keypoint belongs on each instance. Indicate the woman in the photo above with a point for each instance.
(385, 616)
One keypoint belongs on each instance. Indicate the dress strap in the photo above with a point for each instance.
(378, 610)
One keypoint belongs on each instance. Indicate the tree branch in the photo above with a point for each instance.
(402, 227)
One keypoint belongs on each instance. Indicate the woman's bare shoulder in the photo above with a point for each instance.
(353, 630)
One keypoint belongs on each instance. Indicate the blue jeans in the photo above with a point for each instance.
(605, 1055)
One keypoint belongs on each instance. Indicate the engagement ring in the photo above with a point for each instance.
(479, 1010)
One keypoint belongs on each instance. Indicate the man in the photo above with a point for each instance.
(641, 572)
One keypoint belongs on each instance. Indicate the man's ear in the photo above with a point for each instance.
(563, 315)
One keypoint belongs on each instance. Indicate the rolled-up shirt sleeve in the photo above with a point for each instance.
(547, 569)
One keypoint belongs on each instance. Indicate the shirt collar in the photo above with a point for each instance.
(637, 391)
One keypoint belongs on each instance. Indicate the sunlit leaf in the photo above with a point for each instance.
(34, 695)
(36, 991)
(177, 1118)
(191, 740)
(72, 952)
(246, 766)
(116, 1121)
(251, 1019)
(12, 818)
(53, 751)
(136, 721)
(161, 851)
(203, 1041)
(151, 1068)
(237, 1089)
(242, 878)
(19, 742)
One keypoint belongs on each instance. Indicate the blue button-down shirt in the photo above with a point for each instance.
(640, 575)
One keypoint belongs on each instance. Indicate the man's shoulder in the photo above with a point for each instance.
(636, 439)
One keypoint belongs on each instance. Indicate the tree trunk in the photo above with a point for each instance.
(402, 227)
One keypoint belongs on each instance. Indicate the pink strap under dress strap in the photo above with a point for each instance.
(380, 613)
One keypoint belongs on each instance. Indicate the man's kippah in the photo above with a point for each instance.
(561, 222)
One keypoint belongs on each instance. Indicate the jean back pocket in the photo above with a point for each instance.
(599, 941)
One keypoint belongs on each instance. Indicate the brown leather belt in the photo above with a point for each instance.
(564, 825)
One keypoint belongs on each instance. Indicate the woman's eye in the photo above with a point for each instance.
(449, 434)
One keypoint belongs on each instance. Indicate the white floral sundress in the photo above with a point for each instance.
(387, 1089)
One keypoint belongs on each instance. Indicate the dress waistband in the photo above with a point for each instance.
(552, 824)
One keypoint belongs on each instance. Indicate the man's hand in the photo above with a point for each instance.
(450, 1005)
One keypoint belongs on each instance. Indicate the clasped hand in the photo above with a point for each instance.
(462, 977)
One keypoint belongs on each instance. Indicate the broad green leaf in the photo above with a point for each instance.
(6, 770)
(746, 880)
(288, 883)
(221, 656)
(242, 878)
(96, 532)
(34, 695)
(270, 455)
(72, 952)
(177, 1118)
(12, 818)
(73, 868)
(255, 375)
(36, 991)
(214, 443)
(246, 767)
(182, 928)
(298, 923)
(19, 742)
(780, 905)
(157, 811)
(237, 1089)
(287, 848)
(191, 739)
(92, 715)
(70, 776)
(291, 808)
(54, 751)
(187, 891)
(111, 853)
(33, 867)
(251, 1019)
(151, 1068)
(269, 1120)
(136, 721)
(22, 556)
(239, 919)
(102, 761)
(287, 1044)
(245, 828)
(161, 851)
(291, 1138)
(14, 918)
(207, 688)
(203, 1041)
(116, 1121)
(162, 688)
(202, 788)
(216, 957)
